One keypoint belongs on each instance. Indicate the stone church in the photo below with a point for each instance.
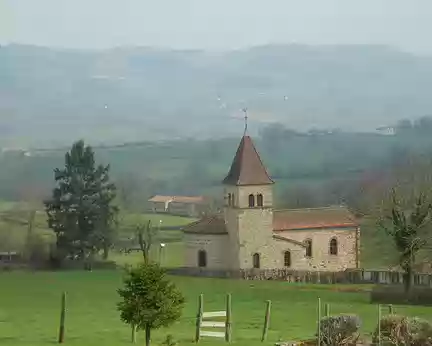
(251, 233)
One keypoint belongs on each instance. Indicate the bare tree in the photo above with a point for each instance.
(406, 223)
(146, 238)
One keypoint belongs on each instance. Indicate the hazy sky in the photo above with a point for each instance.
(216, 24)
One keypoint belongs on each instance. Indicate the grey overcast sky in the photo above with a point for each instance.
(216, 24)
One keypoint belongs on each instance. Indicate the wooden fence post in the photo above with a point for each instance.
(266, 321)
(62, 319)
(319, 322)
(228, 319)
(199, 317)
(327, 310)
(379, 325)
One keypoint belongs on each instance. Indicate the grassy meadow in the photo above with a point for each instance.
(30, 301)
(30, 307)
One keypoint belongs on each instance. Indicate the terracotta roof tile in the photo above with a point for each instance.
(247, 167)
(298, 219)
(214, 224)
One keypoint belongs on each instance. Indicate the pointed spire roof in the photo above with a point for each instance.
(247, 167)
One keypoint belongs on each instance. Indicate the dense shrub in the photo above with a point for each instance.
(383, 294)
(341, 330)
(404, 331)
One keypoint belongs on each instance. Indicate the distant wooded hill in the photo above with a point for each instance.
(52, 97)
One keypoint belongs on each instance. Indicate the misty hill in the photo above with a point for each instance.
(52, 97)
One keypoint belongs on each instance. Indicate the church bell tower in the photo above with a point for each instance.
(248, 212)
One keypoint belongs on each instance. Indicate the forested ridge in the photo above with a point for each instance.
(310, 168)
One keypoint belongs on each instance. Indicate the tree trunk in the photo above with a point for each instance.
(105, 251)
(147, 334)
(408, 279)
(133, 334)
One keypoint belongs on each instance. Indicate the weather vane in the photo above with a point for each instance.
(245, 118)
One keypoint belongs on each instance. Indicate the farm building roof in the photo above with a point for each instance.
(247, 167)
(159, 198)
(188, 199)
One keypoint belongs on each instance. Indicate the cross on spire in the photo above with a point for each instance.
(246, 119)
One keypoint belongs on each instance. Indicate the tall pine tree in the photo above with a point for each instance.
(80, 210)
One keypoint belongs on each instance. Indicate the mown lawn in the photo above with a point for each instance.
(30, 303)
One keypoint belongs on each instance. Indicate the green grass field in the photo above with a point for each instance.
(30, 307)
(13, 234)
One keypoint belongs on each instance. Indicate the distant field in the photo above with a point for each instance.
(129, 219)
(6, 205)
(170, 256)
(13, 234)
(29, 309)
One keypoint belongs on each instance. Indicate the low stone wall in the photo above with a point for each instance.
(346, 277)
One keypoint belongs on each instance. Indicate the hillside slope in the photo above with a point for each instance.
(51, 97)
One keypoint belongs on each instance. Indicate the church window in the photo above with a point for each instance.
(287, 259)
(333, 246)
(256, 260)
(259, 200)
(251, 201)
(229, 199)
(308, 244)
(202, 258)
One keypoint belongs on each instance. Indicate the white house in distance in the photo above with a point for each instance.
(192, 206)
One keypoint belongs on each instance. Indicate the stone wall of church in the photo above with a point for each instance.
(255, 237)
(214, 246)
(250, 229)
(321, 259)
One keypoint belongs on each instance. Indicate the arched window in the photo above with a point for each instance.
(333, 246)
(256, 260)
(259, 200)
(287, 259)
(202, 258)
(251, 201)
(233, 200)
(229, 199)
(308, 244)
